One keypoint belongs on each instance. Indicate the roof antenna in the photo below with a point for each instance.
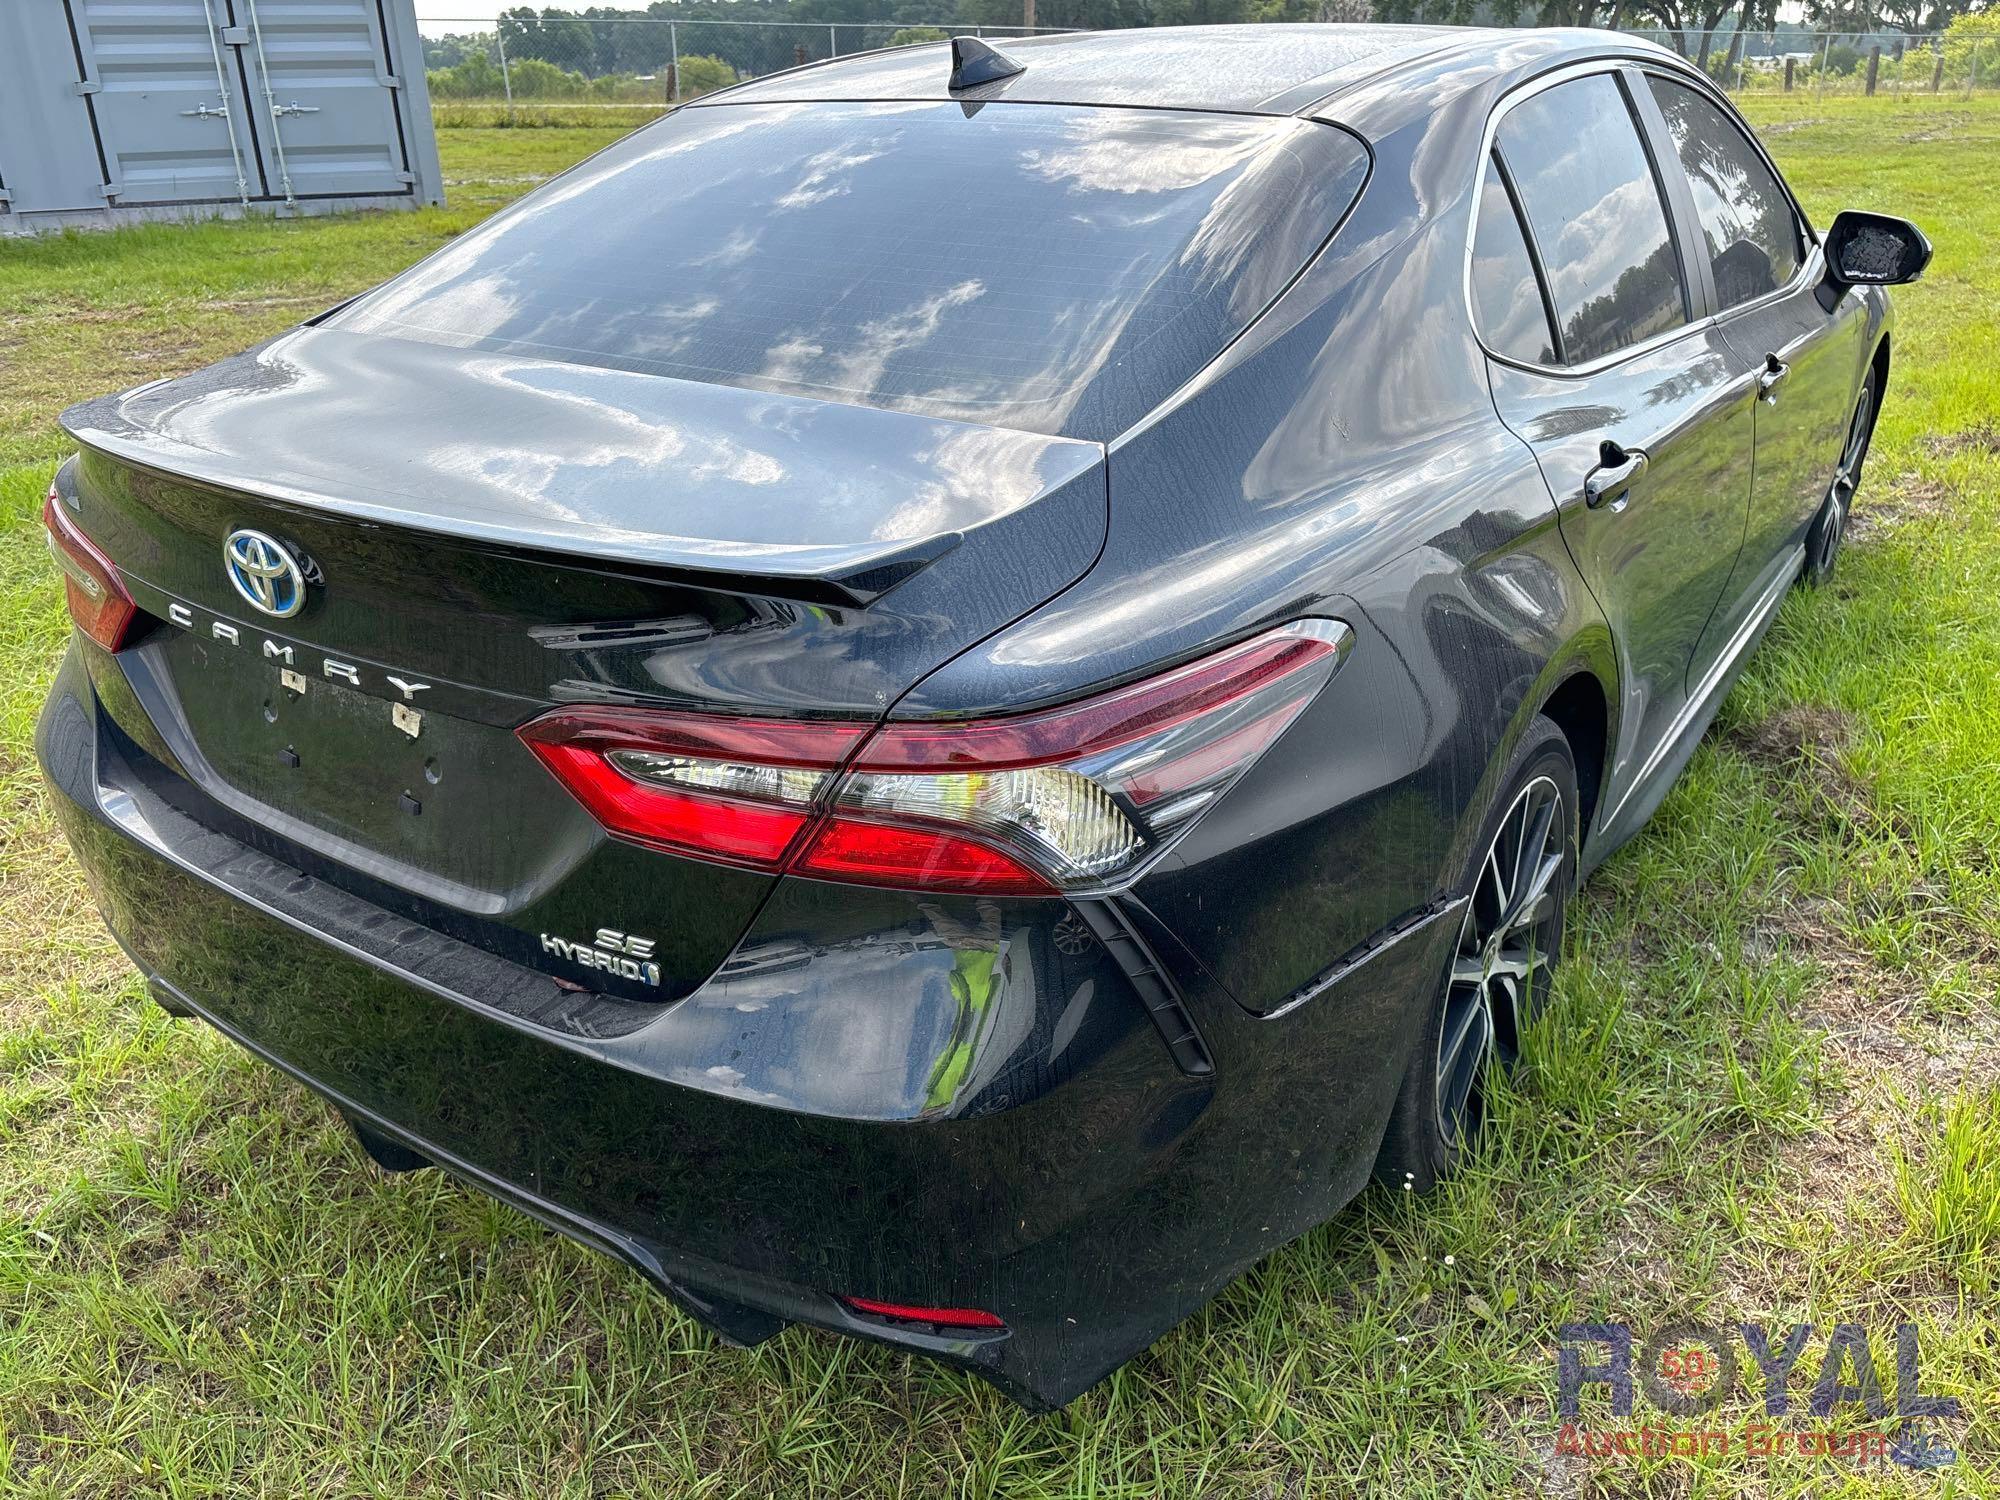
(973, 62)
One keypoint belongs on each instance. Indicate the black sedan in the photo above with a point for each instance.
(946, 694)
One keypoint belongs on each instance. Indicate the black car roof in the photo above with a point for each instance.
(1274, 68)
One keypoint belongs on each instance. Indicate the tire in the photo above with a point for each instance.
(1829, 527)
(1489, 987)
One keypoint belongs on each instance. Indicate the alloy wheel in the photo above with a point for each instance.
(1507, 944)
(1846, 479)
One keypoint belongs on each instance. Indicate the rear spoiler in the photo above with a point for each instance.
(837, 576)
(711, 485)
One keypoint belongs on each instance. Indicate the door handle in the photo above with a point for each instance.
(1773, 375)
(1611, 480)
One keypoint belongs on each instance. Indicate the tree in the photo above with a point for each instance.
(1200, 12)
(537, 78)
(560, 37)
(1968, 37)
(1447, 12)
(1864, 16)
(450, 51)
(477, 77)
(910, 36)
(1685, 19)
(704, 75)
(1084, 15)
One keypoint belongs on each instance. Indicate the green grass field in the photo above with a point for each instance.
(1766, 1089)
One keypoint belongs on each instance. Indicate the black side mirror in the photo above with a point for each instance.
(1864, 249)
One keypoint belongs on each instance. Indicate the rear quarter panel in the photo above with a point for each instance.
(1342, 459)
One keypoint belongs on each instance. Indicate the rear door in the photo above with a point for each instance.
(1636, 407)
(1767, 275)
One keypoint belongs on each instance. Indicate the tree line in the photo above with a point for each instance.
(583, 46)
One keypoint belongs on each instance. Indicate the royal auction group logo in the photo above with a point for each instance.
(1688, 1371)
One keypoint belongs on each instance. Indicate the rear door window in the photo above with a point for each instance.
(1044, 267)
(1507, 304)
(1596, 214)
(1751, 229)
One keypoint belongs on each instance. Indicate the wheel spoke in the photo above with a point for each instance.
(1519, 965)
(1524, 910)
(1501, 895)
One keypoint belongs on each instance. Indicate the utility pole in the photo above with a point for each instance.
(1028, 15)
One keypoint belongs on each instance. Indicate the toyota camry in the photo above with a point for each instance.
(945, 694)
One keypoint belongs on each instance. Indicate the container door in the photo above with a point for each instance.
(48, 148)
(325, 98)
(167, 100)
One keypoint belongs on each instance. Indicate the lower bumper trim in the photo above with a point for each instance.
(735, 1323)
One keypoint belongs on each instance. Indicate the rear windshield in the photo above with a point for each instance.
(1054, 269)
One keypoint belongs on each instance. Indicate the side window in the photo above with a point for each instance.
(1751, 229)
(1594, 208)
(1507, 304)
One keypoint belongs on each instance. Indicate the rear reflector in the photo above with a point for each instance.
(1063, 800)
(948, 1317)
(98, 602)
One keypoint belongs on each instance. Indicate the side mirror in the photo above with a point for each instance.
(1864, 249)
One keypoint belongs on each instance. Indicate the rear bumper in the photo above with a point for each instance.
(835, 1113)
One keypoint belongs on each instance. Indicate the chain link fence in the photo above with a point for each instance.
(557, 69)
(1866, 64)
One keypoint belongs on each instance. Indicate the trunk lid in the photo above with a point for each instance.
(485, 536)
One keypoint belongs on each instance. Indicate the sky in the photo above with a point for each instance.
(431, 12)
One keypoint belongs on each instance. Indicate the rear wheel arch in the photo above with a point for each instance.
(1580, 707)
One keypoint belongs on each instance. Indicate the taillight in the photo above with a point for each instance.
(735, 791)
(97, 600)
(1067, 799)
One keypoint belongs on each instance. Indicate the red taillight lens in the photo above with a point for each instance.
(735, 791)
(97, 600)
(927, 859)
(1064, 800)
(946, 1317)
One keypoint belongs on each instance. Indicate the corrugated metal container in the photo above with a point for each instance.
(115, 110)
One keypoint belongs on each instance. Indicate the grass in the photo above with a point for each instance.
(1768, 1087)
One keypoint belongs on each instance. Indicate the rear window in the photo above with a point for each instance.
(1054, 269)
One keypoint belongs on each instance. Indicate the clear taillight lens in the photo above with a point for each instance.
(97, 600)
(1080, 795)
(1067, 799)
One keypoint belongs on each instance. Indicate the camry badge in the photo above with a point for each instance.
(263, 570)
